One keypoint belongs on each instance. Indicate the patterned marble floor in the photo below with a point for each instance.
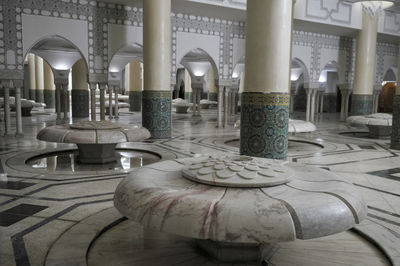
(59, 214)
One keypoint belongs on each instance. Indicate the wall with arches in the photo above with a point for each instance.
(99, 29)
(36, 28)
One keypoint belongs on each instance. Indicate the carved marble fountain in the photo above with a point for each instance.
(96, 140)
(238, 207)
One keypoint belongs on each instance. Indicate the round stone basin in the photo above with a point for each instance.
(96, 140)
(295, 126)
(377, 119)
(229, 211)
(67, 161)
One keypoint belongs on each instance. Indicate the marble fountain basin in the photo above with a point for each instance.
(295, 126)
(96, 140)
(181, 106)
(379, 124)
(237, 207)
(205, 104)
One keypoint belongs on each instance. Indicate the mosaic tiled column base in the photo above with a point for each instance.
(32, 95)
(213, 96)
(39, 96)
(49, 98)
(264, 125)
(361, 104)
(80, 103)
(135, 101)
(395, 140)
(156, 113)
(188, 97)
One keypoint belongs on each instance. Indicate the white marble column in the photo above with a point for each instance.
(32, 77)
(321, 102)
(18, 111)
(267, 69)
(58, 100)
(49, 87)
(116, 107)
(102, 102)
(293, 86)
(110, 99)
(314, 93)
(79, 93)
(65, 92)
(93, 87)
(39, 79)
(226, 106)
(220, 111)
(308, 104)
(7, 118)
(157, 68)
(365, 59)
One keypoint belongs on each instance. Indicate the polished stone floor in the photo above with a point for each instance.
(56, 212)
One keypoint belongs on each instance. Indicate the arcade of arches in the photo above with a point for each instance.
(310, 87)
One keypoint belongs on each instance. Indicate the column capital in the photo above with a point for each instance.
(97, 78)
(372, 8)
(61, 76)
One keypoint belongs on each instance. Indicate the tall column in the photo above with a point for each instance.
(39, 79)
(365, 60)
(321, 102)
(345, 92)
(58, 100)
(62, 95)
(212, 92)
(292, 95)
(134, 81)
(395, 139)
(110, 99)
(265, 100)
(80, 92)
(220, 112)
(32, 77)
(102, 89)
(93, 87)
(314, 92)
(156, 110)
(308, 104)
(116, 107)
(65, 93)
(7, 118)
(49, 87)
(226, 106)
(18, 112)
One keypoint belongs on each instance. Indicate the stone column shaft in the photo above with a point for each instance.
(66, 102)
(7, 119)
(156, 110)
(321, 106)
(313, 97)
(226, 107)
(365, 62)
(110, 99)
(102, 102)
(308, 104)
(32, 77)
(18, 111)
(49, 87)
(220, 111)
(93, 101)
(80, 92)
(39, 79)
(58, 100)
(116, 107)
(267, 71)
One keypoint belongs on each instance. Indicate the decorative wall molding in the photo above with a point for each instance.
(334, 10)
(391, 23)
